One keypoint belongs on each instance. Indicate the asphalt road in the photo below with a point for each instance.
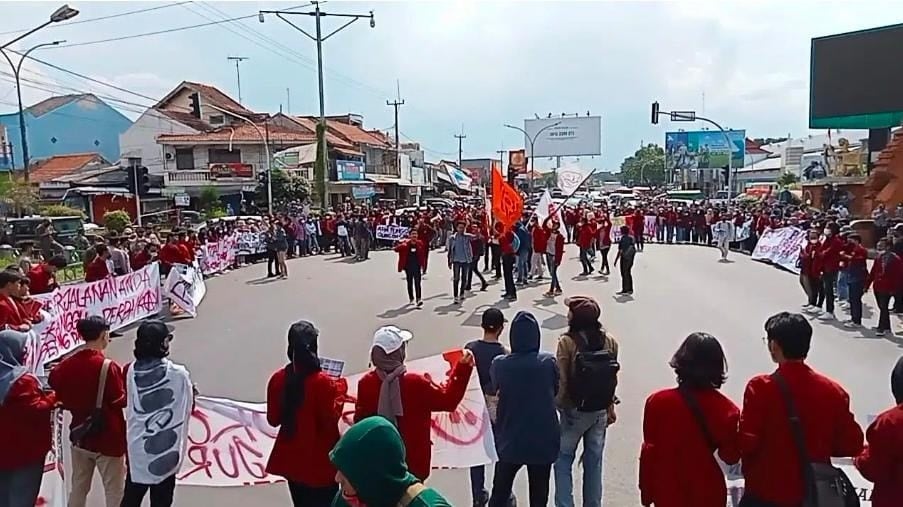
(239, 338)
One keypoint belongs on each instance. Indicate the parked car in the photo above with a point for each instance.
(19, 230)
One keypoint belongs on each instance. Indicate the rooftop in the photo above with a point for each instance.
(187, 119)
(353, 133)
(47, 105)
(241, 134)
(63, 165)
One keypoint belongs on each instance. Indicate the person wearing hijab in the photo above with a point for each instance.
(882, 459)
(25, 424)
(407, 399)
(305, 404)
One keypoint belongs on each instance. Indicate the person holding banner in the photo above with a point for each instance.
(25, 424)
(412, 260)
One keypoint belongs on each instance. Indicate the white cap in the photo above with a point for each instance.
(390, 338)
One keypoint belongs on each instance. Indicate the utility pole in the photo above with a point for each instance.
(319, 38)
(396, 104)
(288, 101)
(460, 137)
(238, 60)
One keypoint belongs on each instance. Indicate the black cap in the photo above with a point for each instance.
(153, 331)
(492, 319)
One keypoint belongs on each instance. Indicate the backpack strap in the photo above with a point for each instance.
(799, 439)
(696, 410)
(102, 383)
(410, 494)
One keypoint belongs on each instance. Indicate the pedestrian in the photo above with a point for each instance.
(477, 246)
(723, 233)
(485, 350)
(525, 247)
(588, 361)
(155, 451)
(528, 431)
(460, 258)
(280, 245)
(829, 256)
(305, 404)
(412, 261)
(408, 399)
(810, 272)
(684, 425)
(794, 419)
(854, 258)
(495, 251)
(372, 471)
(639, 228)
(554, 253)
(585, 232)
(98, 268)
(881, 462)
(881, 220)
(92, 388)
(25, 423)
(118, 256)
(626, 254)
(540, 235)
(508, 245)
(604, 241)
(886, 277)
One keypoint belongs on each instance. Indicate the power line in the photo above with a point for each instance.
(111, 16)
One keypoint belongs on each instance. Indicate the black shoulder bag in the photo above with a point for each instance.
(731, 472)
(94, 423)
(824, 484)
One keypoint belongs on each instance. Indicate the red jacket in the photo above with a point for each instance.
(882, 460)
(887, 279)
(639, 222)
(139, 260)
(11, 315)
(676, 464)
(540, 237)
(829, 254)
(770, 463)
(96, 270)
(75, 381)
(304, 456)
(506, 243)
(420, 398)
(810, 262)
(40, 280)
(585, 234)
(404, 248)
(25, 424)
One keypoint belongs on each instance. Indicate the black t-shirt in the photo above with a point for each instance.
(483, 353)
(413, 259)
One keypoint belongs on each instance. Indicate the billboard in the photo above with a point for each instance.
(349, 170)
(517, 162)
(571, 137)
(704, 149)
(853, 82)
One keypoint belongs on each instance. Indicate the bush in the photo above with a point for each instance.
(116, 220)
(212, 213)
(59, 210)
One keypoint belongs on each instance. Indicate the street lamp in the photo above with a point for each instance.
(322, 153)
(62, 14)
(532, 142)
(17, 69)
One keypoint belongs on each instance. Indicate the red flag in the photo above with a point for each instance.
(507, 204)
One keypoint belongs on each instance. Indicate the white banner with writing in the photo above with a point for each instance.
(216, 257)
(781, 247)
(391, 232)
(185, 287)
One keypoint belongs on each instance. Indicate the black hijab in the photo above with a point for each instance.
(302, 352)
(896, 381)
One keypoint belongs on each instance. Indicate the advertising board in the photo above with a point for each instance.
(704, 149)
(565, 137)
(349, 170)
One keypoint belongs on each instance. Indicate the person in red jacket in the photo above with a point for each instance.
(886, 276)
(684, 425)
(11, 314)
(412, 260)
(43, 276)
(305, 404)
(810, 273)
(882, 459)
(585, 232)
(143, 257)
(540, 234)
(172, 253)
(553, 252)
(639, 228)
(25, 423)
(604, 242)
(509, 255)
(771, 461)
(829, 256)
(98, 269)
(854, 257)
(407, 399)
(427, 233)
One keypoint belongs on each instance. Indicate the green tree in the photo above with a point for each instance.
(645, 167)
(288, 187)
(209, 198)
(116, 220)
(18, 196)
(59, 210)
(787, 178)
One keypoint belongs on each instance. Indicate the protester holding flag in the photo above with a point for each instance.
(554, 252)
(412, 254)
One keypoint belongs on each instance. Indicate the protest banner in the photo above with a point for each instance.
(735, 483)
(185, 287)
(391, 232)
(53, 492)
(216, 257)
(121, 300)
(616, 224)
(781, 247)
(650, 226)
(229, 442)
(742, 233)
(249, 243)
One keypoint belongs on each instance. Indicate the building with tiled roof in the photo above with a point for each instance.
(63, 165)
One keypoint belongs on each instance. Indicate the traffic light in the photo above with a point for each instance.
(655, 113)
(195, 105)
(143, 180)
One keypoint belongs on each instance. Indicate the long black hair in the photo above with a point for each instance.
(700, 363)
(588, 330)
(302, 352)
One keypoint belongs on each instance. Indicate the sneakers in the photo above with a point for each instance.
(806, 307)
(827, 316)
(419, 303)
(457, 301)
(410, 301)
(851, 325)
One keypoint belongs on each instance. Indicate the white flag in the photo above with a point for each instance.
(545, 206)
(571, 176)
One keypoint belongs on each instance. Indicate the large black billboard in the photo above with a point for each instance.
(857, 79)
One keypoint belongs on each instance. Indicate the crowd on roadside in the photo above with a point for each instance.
(541, 405)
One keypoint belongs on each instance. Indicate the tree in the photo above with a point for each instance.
(787, 178)
(209, 198)
(645, 167)
(116, 220)
(288, 188)
(18, 196)
(59, 210)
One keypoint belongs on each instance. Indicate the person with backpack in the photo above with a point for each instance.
(588, 361)
(684, 425)
(626, 254)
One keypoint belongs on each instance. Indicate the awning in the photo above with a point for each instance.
(296, 156)
(385, 178)
(102, 190)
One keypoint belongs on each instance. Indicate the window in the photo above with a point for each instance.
(184, 158)
(217, 119)
(223, 156)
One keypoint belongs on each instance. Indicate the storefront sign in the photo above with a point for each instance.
(231, 170)
(363, 191)
(349, 170)
(183, 200)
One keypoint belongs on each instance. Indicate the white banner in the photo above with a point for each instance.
(185, 286)
(781, 247)
(863, 487)
(216, 257)
(121, 300)
(229, 442)
(391, 232)
(571, 176)
(53, 492)
(545, 206)
(249, 243)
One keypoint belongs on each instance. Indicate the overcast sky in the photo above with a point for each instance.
(476, 65)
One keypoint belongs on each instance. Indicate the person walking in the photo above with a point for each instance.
(154, 454)
(585, 232)
(723, 233)
(495, 251)
(540, 235)
(525, 247)
(528, 430)
(412, 261)
(604, 239)
(25, 424)
(305, 404)
(588, 361)
(509, 245)
(855, 257)
(626, 254)
(810, 272)
(886, 277)
(554, 253)
(408, 399)
(829, 255)
(684, 425)
(280, 244)
(881, 462)
(460, 258)
(477, 246)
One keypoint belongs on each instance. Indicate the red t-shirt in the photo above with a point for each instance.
(41, 280)
(96, 270)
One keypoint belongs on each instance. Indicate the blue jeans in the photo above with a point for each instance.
(843, 285)
(669, 233)
(589, 427)
(523, 266)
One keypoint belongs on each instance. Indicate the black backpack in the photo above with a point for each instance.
(594, 377)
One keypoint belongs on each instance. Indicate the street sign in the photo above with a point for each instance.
(683, 115)
(183, 200)
(171, 191)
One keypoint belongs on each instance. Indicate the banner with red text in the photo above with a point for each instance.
(215, 257)
(229, 442)
(781, 247)
(53, 492)
(121, 300)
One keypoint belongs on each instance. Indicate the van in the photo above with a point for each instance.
(19, 230)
